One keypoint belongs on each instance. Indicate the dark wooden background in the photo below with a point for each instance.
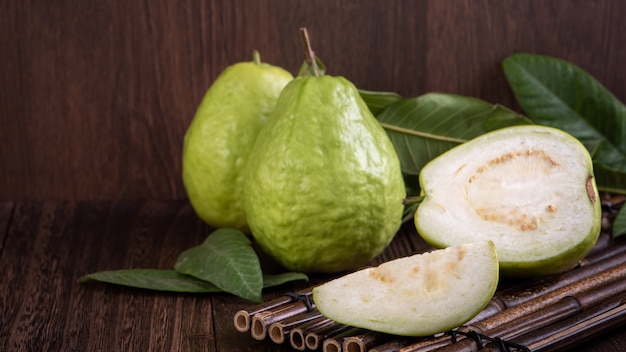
(95, 96)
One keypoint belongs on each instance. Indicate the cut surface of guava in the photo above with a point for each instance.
(419, 295)
(529, 189)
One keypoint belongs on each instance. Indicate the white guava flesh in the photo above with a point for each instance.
(529, 189)
(419, 295)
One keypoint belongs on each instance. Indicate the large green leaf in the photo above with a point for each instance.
(424, 127)
(556, 93)
(378, 101)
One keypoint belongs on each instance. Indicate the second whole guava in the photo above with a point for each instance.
(324, 187)
(221, 136)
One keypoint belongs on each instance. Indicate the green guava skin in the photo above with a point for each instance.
(325, 189)
(221, 136)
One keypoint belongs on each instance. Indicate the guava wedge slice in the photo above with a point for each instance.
(418, 295)
(529, 189)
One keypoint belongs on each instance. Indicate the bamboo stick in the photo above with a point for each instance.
(242, 318)
(363, 342)
(582, 331)
(573, 330)
(332, 344)
(516, 295)
(566, 307)
(279, 330)
(612, 278)
(314, 339)
(261, 321)
(335, 343)
(570, 305)
(297, 336)
(535, 304)
(306, 335)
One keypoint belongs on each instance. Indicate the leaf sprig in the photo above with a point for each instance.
(224, 262)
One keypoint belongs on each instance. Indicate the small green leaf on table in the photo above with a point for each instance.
(227, 260)
(152, 279)
(173, 281)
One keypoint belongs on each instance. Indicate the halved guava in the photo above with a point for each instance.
(418, 295)
(529, 189)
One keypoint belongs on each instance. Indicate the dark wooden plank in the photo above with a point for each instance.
(50, 246)
(95, 97)
(6, 210)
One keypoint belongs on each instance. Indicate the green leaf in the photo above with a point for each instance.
(173, 281)
(424, 127)
(378, 101)
(227, 260)
(556, 93)
(152, 279)
(619, 224)
(271, 280)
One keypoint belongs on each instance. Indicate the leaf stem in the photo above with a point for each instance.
(421, 134)
(308, 52)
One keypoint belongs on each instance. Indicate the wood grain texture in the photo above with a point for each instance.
(6, 210)
(95, 97)
(48, 246)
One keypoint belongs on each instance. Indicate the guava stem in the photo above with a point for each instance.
(256, 57)
(308, 52)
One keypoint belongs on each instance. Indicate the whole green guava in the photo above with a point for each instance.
(324, 187)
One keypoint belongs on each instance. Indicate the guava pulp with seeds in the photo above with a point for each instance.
(324, 188)
(418, 295)
(529, 189)
(220, 138)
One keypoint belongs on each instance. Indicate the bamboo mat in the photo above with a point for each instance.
(541, 314)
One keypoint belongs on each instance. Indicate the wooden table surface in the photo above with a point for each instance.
(45, 247)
